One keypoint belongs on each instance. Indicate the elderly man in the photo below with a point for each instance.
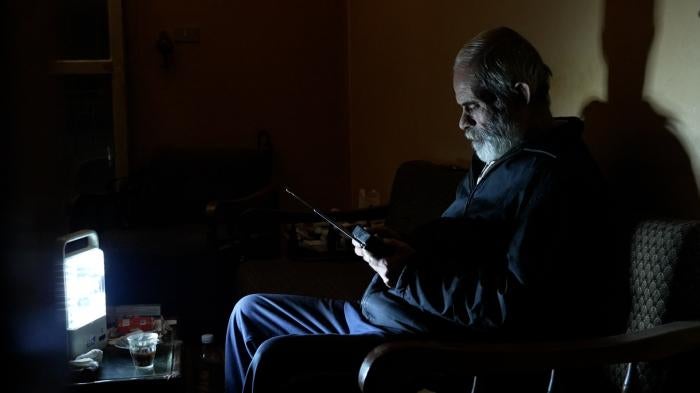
(515, 254)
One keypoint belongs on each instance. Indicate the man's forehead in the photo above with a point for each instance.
(463, 83)
(463, 73)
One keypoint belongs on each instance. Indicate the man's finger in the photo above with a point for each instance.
(358, 251)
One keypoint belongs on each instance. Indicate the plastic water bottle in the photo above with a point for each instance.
(210, 367)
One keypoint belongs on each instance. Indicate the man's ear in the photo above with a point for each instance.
(524, 90)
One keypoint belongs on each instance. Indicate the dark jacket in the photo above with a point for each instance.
(526, 251)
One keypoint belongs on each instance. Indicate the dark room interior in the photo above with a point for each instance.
(170, 128)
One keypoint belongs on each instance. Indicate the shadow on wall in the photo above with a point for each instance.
(648, 169)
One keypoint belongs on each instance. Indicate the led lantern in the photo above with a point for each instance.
(84, 296)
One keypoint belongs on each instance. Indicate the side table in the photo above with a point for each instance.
(118, 374)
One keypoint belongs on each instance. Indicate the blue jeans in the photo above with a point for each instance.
(272, 339)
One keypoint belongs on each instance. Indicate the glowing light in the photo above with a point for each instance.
(84, 279)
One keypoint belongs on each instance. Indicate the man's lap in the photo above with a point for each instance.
(271, 315)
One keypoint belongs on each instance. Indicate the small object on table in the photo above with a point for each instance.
(142, 347)
(89, 360)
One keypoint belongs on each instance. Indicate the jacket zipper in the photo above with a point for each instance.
(487, 174)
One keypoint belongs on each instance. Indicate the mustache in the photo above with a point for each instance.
(495, 134)
(478, 134)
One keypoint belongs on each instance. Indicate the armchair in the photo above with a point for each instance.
(654, 355)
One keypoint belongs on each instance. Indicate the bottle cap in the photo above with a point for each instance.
(207, 338)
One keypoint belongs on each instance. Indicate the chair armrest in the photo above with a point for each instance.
(393, 361)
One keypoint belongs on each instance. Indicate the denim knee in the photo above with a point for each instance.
(244, 308)
(245, 304)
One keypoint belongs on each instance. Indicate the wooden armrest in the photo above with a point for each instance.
(396, 360)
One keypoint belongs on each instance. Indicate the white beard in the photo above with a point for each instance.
(492, 144)
(494, 148)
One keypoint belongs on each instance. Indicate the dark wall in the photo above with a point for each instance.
(33, 204)
(637, 141)
(274, 65)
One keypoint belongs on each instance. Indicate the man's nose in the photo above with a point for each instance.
(465, 120)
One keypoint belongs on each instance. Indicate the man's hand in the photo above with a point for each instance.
(389, 268)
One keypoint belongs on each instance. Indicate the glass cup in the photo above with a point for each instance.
(142, 347)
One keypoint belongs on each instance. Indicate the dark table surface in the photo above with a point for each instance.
(117, 366)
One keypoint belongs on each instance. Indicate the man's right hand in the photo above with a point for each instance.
(389, 268)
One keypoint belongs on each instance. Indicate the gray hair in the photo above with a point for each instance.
(499, 59)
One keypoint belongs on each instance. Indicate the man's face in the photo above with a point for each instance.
(491, 133)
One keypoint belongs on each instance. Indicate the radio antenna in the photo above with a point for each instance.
(327, 219)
